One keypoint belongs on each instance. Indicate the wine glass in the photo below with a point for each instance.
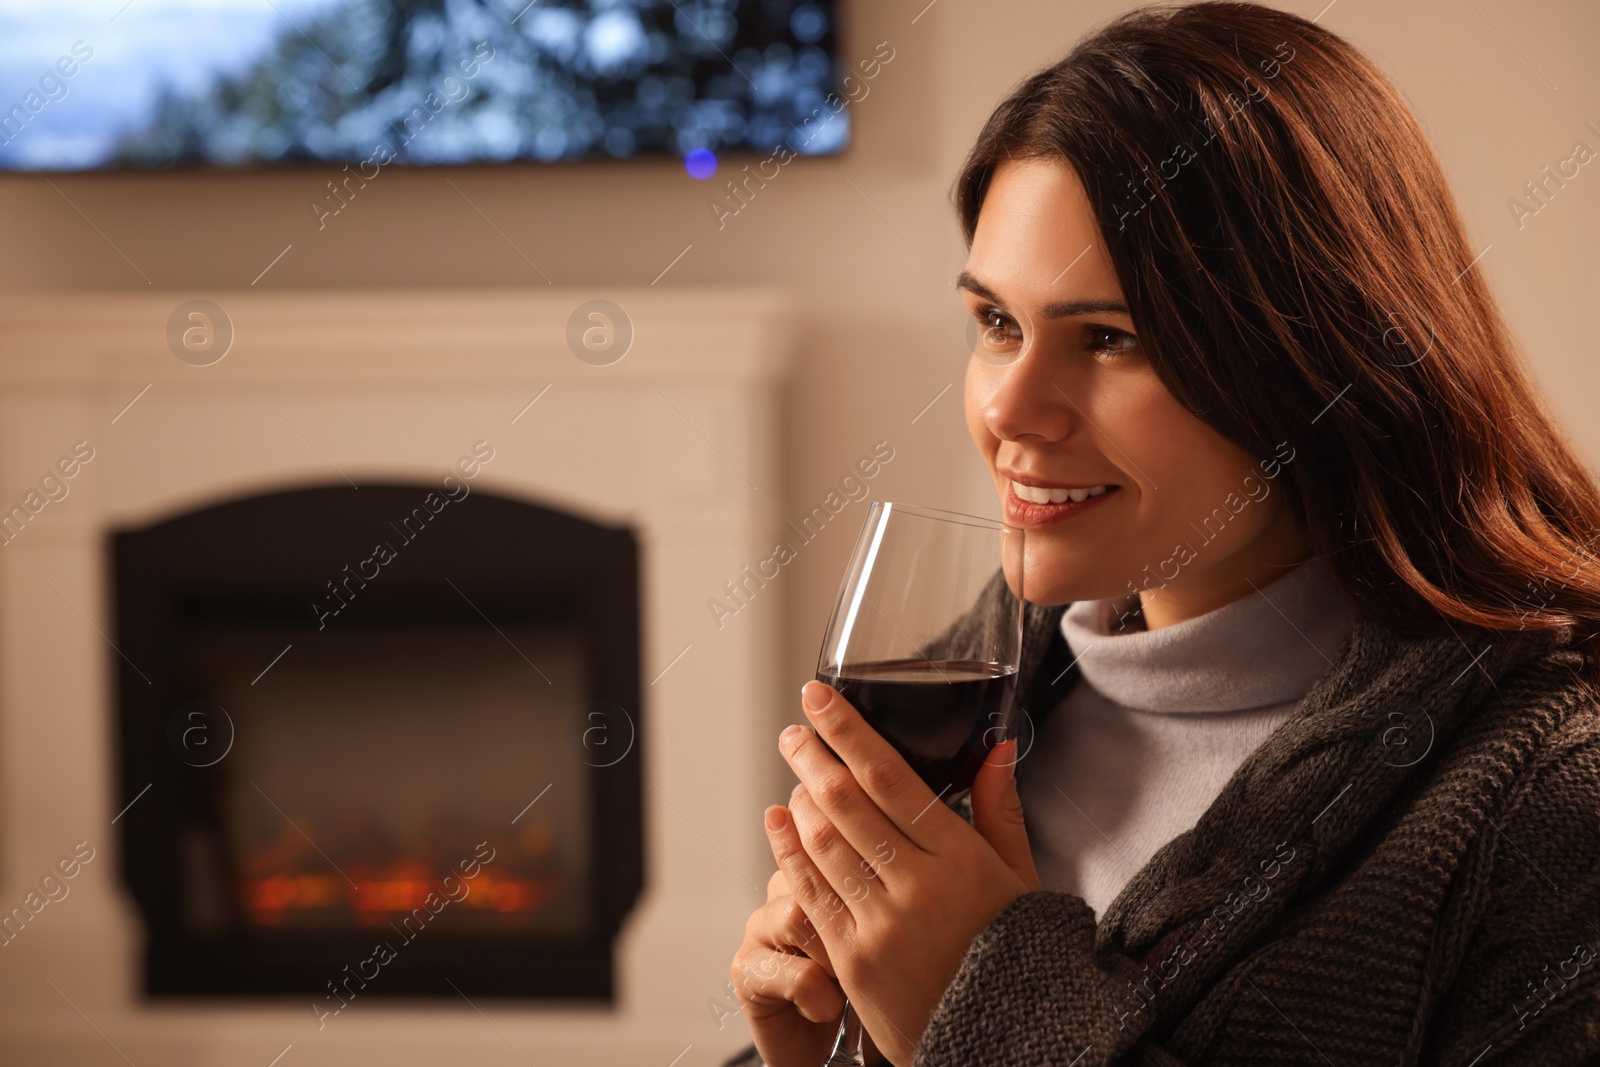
(924, 642)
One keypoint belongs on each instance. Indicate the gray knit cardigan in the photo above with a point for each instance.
(1407, 871)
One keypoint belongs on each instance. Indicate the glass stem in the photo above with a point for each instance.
(847, 1046)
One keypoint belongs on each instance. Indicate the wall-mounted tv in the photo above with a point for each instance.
(158, 84)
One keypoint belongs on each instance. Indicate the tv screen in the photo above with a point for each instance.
(153, 84)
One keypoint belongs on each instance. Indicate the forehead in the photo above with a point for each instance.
(1037, 240)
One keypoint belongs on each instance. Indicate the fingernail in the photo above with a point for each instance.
(795, 793)
(790, 733)
(777, 817)
(815, 696)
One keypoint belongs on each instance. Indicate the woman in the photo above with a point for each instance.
(1314, 763)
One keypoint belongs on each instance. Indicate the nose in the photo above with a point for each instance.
(1024, 398)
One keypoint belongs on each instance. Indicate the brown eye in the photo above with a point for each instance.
(997, 328)
(1111, 340)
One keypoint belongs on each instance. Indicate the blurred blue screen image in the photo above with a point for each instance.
(156, 84)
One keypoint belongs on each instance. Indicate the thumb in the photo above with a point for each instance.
(997, 811)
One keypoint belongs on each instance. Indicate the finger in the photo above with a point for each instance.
(778, 886)
(764, 976)
(843, 867)
(997, 812)
(826, 908)
(881, 773)
(783, 925)
(838, 793)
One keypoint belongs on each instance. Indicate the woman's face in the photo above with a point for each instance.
(1060, 393)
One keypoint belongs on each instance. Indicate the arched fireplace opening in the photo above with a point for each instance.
(391, 742)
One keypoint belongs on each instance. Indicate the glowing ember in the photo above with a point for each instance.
(287, 882)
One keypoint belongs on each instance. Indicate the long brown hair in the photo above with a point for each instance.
(1297, 270)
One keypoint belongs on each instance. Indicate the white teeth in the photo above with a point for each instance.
(1041, 495)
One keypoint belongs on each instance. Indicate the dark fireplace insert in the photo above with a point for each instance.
(382, 741)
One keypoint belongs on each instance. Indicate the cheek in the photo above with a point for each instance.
(974, 396)
(1172, 448)
(1204, 496)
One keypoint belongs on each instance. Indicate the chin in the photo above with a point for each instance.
(1047, 594)
(1044, 583)
(1051, 600)
(1053, 580)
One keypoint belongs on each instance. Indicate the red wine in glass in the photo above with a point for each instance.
(924, 641)
(942, 716)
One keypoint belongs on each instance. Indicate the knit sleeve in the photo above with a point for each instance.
(1527, 992)
(1032, 992)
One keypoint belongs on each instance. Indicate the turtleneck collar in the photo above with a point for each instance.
(1262, 650)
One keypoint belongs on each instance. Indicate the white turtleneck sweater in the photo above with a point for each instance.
(1160, 719)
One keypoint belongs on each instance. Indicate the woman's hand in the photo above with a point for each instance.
(785, 984)
(896, 885)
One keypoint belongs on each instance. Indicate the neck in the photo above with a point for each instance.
(1282, 546)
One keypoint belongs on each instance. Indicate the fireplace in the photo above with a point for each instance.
(205, 926)
(401, 716)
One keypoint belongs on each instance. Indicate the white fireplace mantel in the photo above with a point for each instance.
(676, 439)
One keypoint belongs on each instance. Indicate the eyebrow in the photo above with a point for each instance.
(1059, 310)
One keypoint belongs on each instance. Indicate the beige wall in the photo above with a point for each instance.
(869, 240)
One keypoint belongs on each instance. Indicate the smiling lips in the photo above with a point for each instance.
(1035, 506)
(1040, 494)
